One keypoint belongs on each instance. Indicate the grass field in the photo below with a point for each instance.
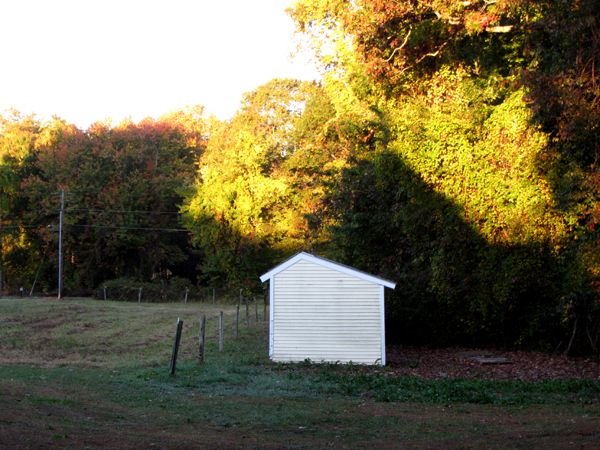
(80, 373)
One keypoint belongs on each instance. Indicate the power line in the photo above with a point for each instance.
(121, 211)
(20, 227)
(129, 228)
(5, 227)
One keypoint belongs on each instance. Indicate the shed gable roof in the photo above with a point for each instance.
(303, 256)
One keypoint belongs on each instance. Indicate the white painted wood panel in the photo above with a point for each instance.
(323, 314)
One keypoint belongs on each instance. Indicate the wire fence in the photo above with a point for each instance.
(152, 292)
(222, 328)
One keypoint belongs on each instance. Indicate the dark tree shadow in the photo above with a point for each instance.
(453, 283)
(452, 286)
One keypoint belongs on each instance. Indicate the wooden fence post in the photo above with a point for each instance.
(187, 291)
(247, 312)
(214, 297)
(202, 339)
(255, 310)
(140, 295)
(176, 345)
(221, 331)
(265, 309)
(237, 321)
(104, 289)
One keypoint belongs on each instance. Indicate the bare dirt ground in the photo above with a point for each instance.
(360, 425)
(489, 365)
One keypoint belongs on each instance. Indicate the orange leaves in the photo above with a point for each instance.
(478, 21)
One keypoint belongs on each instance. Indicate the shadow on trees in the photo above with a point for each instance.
(229, 258)
(453, 287)
(564, 95)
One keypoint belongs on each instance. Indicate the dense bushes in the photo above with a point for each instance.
(475, 183)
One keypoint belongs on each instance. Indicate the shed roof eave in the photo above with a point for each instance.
(326, 263)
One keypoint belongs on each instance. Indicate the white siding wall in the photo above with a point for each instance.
(322, 314)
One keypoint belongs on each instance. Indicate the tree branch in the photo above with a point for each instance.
(432, 54)
(401, 46)
(499, 29)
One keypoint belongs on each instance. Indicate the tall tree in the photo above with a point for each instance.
(255, 179)
(123, 185)
(19, 136)
(461, 89)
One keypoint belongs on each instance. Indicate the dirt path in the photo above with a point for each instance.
(100, 424)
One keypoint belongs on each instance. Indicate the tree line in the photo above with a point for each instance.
(450, 146)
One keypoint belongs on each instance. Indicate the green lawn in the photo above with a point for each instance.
(81, 373)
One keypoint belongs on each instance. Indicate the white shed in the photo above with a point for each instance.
(326, 312)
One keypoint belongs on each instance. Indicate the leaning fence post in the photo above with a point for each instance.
(176, 345)
(202, 339)
(221, 331)
(187, 291)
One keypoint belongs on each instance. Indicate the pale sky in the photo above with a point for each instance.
(90, 60)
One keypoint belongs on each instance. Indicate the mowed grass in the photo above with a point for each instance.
(91, 333)
(80, 373)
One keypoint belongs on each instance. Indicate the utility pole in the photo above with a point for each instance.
(1, 249)
(61, 217)
(1, 260)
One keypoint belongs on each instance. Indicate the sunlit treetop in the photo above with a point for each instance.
(395, 38)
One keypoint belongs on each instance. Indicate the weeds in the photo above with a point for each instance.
(409, 389)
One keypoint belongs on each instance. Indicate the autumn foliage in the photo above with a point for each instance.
(451, 147)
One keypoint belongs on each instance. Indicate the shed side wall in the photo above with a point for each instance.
(325, 315)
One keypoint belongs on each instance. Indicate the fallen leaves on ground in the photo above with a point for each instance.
(489, 365)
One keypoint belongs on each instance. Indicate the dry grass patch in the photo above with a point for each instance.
(91, 333)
